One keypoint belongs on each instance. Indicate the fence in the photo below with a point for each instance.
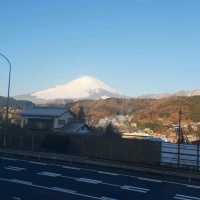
(91, 146)
(107, 148)
(180, 155)
(115, 148)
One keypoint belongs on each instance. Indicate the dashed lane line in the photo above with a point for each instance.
(150, 179)
(14, 168)
(185, 197)
(134, 189)
(57, 189)
(72, 168)
(38, 163)
(104, 172)
(193, 186)
(50, 174)
(16, 198)
(108, 173)
(75, 168)
(21, 182)
(107, 198)
(10, 159)
(93, 181)
(86, 180)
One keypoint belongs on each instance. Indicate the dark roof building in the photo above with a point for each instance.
(46, 118)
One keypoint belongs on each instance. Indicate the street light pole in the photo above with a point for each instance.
(179, 135)
(8, 94)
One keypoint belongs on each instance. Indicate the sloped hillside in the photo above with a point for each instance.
(15, 103)
(144, 110)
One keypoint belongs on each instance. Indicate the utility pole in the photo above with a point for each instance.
(8, 96)
(180, 137)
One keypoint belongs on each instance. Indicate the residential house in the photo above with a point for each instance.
(46, 118)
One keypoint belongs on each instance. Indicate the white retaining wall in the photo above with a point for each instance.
(189, 155)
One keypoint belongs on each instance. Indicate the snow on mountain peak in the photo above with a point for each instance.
(86, 87)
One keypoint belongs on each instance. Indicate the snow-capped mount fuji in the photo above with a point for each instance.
(86, 87)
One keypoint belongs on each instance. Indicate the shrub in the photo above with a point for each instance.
(55, 143)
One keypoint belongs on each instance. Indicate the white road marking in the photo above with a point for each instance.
(105, 172)
(51, 174)
(37, 163)
(62, 190)
(94, 181)
(193, 186)
(21, 182)
(107, 198)
(185, 197)
(69, 177)
(86, 180)
(14, 168)
(110, 184)
(134, 189)
(181, 198)
(150, 179)
(5, 179)
(6, 158)
(87, 196)
(73, 168)
(108, 173)
(16, 198)
(180, 184)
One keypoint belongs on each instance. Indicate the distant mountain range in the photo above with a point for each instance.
(183, 93)
(15, 103)
(85, 87)
(89, 88)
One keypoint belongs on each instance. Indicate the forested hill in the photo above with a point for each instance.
(15, 103)
(165, 110)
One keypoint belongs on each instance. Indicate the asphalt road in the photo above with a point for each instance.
(32, 180)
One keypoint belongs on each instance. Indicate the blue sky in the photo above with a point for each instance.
(136, 46)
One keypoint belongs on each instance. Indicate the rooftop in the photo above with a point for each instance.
(44, 111)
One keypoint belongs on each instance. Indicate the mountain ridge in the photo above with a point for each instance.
(86, 87)
(181, 93)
